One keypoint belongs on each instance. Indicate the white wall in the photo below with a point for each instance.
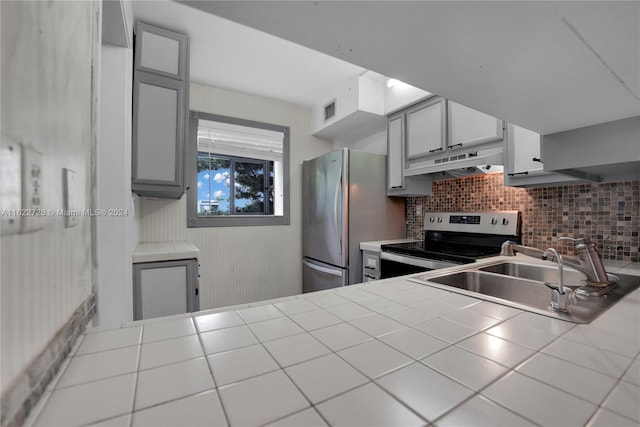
(395, 98)
(47, 103)
(401, 95)
(242, 264)
(116, 236)
(376, 143)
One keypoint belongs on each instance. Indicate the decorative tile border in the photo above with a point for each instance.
(606, 212)
(22, 397)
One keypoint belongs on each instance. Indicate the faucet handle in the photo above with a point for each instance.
(576, 241)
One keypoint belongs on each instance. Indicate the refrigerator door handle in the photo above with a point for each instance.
(323, 269)
(336, 200)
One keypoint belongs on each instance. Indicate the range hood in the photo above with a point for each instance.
(468, 171)
(458, 163)
(605, 152)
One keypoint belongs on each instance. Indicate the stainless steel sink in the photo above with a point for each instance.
(521, 291)
(522, 286)
(540, 273)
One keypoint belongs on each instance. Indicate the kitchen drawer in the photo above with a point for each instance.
(370, 266)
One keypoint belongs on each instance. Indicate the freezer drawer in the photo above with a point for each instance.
(317, 276)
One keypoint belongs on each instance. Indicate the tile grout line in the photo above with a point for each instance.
(206, 358)
(619, 380)
(514, 370)
(135, 386)
(294, 383)
(285, 373)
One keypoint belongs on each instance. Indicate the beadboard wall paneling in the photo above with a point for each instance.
(46, 103)
(242, 264)
(608, 213)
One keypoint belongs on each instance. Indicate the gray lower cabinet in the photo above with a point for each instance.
(370, 266)
(165, 288)
(160, 112)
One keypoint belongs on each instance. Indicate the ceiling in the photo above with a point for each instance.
(233, 56)
(546, 66)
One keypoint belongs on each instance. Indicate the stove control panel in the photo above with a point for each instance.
(495, 222)
(464, 219)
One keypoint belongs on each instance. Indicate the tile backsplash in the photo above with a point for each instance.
(608, 213)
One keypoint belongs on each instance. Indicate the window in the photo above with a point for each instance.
(238, 172)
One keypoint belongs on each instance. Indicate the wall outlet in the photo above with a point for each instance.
(418, 211)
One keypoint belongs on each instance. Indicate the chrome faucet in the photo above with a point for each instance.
(588, 261)
(510, 248)
(560, 294)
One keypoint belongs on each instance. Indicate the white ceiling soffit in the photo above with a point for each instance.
(546, 66)
(228, 55)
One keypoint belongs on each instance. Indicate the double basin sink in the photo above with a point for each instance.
(523, 286)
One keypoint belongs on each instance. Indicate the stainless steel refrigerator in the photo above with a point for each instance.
(344, 203)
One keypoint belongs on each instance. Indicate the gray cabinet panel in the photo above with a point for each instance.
(159, 124)
(397, 183)
(165, 288)
(160, 109)
(160, 53)
(395, 163)
(468, 127)
(425, 128)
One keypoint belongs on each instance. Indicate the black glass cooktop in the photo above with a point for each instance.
(462, 248)
(462, 255)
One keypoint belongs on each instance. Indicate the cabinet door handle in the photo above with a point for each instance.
(519, 173)
(459, 144)
(537, 159)
(435, 149)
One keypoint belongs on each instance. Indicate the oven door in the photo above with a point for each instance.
(394, 265)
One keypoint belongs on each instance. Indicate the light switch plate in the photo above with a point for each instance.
(11, 170)
(32, 190)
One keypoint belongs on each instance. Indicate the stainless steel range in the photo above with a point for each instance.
(450, 239)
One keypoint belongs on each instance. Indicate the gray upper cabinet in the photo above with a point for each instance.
(426, 128)
(523, 163)
(160, 112)
(395, 163)
(442, 135)
(468, 127)
(397, 183)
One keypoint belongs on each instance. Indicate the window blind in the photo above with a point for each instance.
(241, 141)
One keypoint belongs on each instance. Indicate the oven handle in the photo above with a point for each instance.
(426, 263)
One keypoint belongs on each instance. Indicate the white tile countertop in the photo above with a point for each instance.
(164, 251)
(392, 352)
